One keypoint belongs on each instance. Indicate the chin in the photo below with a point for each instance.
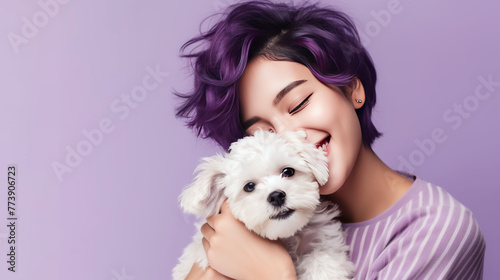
(330, 187)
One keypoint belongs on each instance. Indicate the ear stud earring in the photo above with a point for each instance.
(359, 100)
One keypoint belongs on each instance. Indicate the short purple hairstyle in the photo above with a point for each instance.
(323, 39)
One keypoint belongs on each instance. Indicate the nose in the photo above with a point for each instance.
(277, 198)
(282, 124)
(281, 128)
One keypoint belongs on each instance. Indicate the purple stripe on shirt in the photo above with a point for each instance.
(426, 234)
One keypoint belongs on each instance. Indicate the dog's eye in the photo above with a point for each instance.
(249, 187)
(287, 172)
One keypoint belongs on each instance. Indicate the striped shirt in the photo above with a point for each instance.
(426, 234)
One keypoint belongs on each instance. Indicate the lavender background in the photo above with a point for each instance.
(114, 215)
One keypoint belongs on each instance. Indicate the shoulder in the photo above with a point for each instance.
(424, 205)
(434, 208)
(431, 215)
(428, 203)
(438, 234)
(427, 233)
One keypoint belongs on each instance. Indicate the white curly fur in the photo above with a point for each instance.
(311, 234)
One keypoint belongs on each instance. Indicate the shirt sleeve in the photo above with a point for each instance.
(438, 242)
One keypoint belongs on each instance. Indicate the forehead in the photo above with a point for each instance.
(265, 78)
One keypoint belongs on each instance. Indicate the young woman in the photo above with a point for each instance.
(278, 67)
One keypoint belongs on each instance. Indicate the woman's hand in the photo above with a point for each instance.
(239, 253)
(197, 273)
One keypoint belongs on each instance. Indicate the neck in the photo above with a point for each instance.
(371, 188)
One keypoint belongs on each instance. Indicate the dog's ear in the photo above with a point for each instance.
(315, 158)
(204, 196)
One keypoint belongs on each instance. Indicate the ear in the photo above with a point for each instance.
(315, 158)
(204, 196)
(356, 92)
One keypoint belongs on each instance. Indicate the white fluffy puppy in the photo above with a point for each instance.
(271, 182)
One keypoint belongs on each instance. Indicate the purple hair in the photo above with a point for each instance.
(325, 40)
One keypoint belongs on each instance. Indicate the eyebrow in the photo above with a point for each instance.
(276, 100)
(286, 90)
(250, 122)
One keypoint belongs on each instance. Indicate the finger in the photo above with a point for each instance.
(211, 220)
(207, 231)
(224, 207)
(206, 245)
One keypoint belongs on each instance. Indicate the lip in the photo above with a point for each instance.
(283, 215)
(325, 140)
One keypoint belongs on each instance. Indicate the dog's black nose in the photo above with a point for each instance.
(277, 198)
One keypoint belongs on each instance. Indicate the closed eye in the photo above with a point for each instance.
(301, 105)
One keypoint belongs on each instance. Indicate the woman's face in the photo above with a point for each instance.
(282, 96)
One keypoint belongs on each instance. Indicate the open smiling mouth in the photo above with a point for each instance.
(283, 214)
(324, 143)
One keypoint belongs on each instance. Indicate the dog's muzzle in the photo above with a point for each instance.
(277, 198)
(283, 214)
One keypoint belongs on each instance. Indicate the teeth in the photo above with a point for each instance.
(323, 147)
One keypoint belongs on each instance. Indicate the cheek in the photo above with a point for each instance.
(344, 149)
(327, 110)
(322, 112)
